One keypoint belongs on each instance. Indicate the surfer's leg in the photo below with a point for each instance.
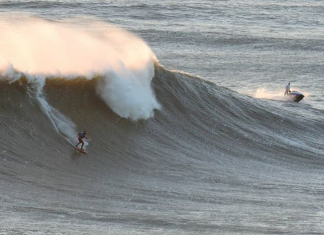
(80, 141)
(82, 144)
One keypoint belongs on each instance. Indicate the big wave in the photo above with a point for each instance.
(39, 50)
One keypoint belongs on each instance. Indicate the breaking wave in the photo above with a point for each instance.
(39, 49)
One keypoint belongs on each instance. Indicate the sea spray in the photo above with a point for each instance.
(7, 71)
(262, 93)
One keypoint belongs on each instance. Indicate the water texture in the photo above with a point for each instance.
(183, 101)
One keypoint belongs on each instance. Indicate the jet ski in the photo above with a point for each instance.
(296, 96)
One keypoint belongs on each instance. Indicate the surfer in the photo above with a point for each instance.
(287, 89)
(80, 136)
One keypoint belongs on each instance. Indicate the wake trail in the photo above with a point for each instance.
(62, 125)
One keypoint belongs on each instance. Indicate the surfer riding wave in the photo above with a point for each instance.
(80, 136)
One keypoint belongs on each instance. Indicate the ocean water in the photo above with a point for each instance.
(183, 101)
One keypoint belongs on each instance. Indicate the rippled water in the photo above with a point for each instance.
(229, 156)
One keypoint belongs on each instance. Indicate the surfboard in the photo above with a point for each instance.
(82, 151)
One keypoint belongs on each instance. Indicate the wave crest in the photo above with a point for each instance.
(35, 47)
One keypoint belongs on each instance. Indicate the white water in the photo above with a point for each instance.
(263, 93)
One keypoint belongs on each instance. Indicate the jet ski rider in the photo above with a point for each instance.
(287, 89)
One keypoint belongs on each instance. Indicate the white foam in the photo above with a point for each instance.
(7, 70)
(128, 96)
(262, 93)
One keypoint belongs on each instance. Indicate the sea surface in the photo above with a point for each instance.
(189, 130)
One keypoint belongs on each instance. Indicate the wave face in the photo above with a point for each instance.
(210, 160)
